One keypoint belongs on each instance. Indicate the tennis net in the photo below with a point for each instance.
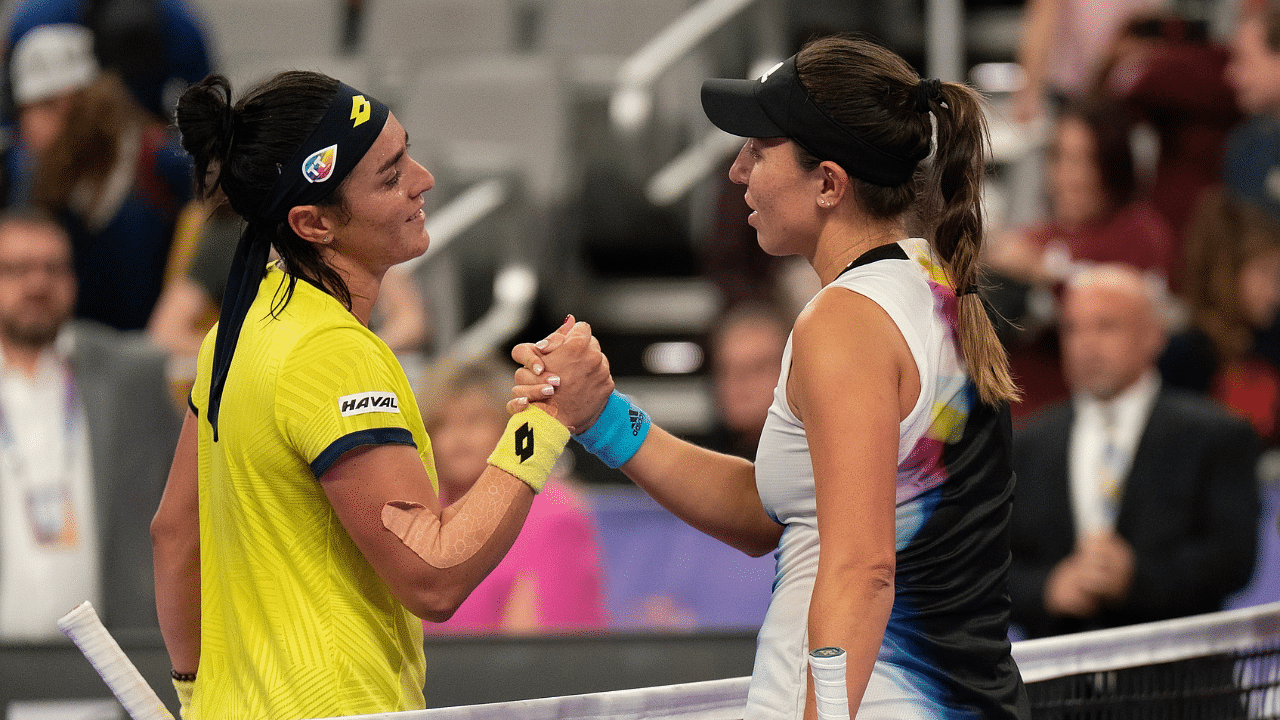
(1220, 665)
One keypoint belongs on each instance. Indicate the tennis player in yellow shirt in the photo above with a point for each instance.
(300, 536)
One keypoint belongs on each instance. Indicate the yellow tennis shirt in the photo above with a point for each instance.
(295, 623)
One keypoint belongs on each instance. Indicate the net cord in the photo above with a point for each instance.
(1148, 644)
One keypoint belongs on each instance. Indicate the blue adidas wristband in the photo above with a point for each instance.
(618, 433)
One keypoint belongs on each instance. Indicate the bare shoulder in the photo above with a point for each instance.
(845, 345)
(838, 317)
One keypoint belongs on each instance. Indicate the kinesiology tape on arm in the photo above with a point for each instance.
(527, 451)
(443, 545)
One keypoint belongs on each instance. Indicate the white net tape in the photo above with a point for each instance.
(710, 700)
(1148, 644)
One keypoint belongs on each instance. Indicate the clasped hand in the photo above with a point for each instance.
(1099, 572)
(565, 373)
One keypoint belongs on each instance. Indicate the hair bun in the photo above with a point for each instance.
(206, 119)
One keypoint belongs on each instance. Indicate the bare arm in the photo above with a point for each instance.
(852, 380)
(714, 493)
(433, 559)
(175, 541)
(175, 324)
(436, 566)
(1040, 18)
(403, 312)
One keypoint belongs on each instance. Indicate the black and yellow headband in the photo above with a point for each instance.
(345, 133)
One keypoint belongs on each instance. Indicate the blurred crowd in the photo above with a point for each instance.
(1162, 163)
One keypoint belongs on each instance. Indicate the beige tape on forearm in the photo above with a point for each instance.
(479, 513)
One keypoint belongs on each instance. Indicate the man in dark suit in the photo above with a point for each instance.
(87, 432)
(1134, 502)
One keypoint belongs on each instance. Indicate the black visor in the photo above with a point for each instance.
(777, 105)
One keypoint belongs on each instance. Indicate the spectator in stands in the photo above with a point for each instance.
(114, 175)
(551, 579)
(1095, 215)
(1251, 162)
(117, 180)
(1167, 70)
(1063, 46)
(1136, 502)
(1231, 286)
(746, 343)
(45, 70)
(157, 47)
(204, 243)
(87, 429)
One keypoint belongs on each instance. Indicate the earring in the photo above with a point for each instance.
(326, 240)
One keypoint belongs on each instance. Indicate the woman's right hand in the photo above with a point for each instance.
(566, 372)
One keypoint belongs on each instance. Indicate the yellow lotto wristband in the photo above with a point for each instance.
(530, 446)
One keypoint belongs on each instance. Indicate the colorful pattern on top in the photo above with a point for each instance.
(945, 652)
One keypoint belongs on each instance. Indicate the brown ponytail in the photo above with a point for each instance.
(872, 92)
(955, 194)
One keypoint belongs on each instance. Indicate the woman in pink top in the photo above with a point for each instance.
(551, 579)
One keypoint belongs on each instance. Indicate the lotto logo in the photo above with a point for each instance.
(524, 442)
(367, 402)
(360, 110)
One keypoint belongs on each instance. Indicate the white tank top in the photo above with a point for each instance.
(920, 672)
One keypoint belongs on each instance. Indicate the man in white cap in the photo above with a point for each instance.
(157, 47)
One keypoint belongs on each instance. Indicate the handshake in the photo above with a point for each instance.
(567, 375)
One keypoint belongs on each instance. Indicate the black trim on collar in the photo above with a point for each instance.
(892, 251)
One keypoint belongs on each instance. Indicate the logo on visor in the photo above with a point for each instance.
(319, 165)
(769, 72)
(360, 110)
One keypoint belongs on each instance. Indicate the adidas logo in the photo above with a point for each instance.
(637, 420)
